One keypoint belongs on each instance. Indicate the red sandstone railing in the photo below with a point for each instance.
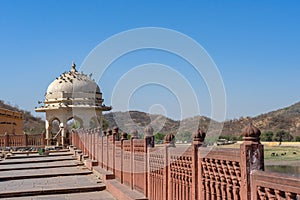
(25, 140)
(274, 186)
(186, 172)
(220, 174)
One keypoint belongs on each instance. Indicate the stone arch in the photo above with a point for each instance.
(77, 123)
(54, 125)
(72, 122)
(52, 128)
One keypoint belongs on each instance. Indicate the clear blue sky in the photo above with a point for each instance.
(255, 44)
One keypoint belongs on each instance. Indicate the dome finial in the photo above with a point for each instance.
(73, 67)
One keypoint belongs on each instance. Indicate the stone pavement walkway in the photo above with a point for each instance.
(38, 159)
(58, 176)
(44, 172)
(30, 165)
(102, 195)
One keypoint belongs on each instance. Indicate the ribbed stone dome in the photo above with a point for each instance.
(73, 89)
(72, 82)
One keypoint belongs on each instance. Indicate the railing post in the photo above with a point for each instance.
(88, 143)
(75, 139)
(79, 139)
(72, 138)
(95, 144)
(197, 187)
(169, 142)
(252, 158)
(149, 137)
(6, 140)
(96, 135)
(109, 132)
(101, 150)
(124, 137)
(131, 162)
(115, 137)
(91, 144)
(83, 136)
(149, 143)
(146, 167)
(116, 133)
(79, 135)
(134, 135)
(25, 143)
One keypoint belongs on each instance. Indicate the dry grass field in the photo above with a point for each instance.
(288, 153)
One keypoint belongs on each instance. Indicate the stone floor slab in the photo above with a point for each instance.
(50, 185)
(58, 176)
(64, 163)
(35, 160)
(43, 172)
(100, 195)
(35, 155)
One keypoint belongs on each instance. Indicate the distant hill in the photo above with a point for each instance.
(287, 119)
(31, 124)
(136, 120)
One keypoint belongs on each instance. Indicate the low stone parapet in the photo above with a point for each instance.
(267, 185)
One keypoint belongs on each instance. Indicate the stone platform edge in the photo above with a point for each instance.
(118, 190)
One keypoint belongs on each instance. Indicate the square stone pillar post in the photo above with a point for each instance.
(169, 142)
(123, 137)
(25, 140)
(198, 141)
(252, 158)
(6, 139)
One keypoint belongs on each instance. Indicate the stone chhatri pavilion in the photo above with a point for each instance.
(72, 95)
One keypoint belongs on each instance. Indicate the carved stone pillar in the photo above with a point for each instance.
(109, 131)
(115, 133)
(199, 137)
(169, 140)
(48, 132)
(252, 158)
(63, 133)
(149, 137)
(198, 187)
(124, 136)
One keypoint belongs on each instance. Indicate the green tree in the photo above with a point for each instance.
(267, 136)
(104, 124)
(282, 136)
(159, 138)
(75, 124)
(297, 139)
(240, 138)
